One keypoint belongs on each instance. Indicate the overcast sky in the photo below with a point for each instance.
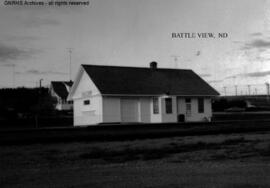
(35, 39)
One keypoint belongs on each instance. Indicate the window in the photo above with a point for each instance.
(200, 105)
(188, 107)
(168, 104)
(155, 105)
(86, 102)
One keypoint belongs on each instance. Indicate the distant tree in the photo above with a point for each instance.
(26, 100)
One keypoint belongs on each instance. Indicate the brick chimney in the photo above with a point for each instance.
(153, 65)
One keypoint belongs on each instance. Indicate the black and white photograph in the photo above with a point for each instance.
(135, 93)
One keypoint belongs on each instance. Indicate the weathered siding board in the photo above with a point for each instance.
(88, 114)
(145, 110)
(129, 109)
(111, 110)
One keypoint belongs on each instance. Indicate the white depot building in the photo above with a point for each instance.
(114, 94)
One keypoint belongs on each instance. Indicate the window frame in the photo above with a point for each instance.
(86, 102)
(168, 105)
(188, 107)
(201, 105)
(155, 105)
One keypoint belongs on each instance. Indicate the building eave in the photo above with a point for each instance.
(154, 95)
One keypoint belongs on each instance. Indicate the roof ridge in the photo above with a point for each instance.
(116, 66)
(61, 81)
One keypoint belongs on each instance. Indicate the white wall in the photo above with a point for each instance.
(87, 114)
(195, 115)
(145, 110)
(85, 85)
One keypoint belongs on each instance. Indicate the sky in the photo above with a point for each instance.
(35, 39)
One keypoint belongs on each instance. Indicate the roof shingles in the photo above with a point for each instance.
(146, 81)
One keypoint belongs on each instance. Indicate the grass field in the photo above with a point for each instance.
(235, 160)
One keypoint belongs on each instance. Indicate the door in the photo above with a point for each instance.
(129, 110)
(181, 109)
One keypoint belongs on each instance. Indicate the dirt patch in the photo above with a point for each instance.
(239, 160)
(130, 153)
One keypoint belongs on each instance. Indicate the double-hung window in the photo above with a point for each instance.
(155, 105)
(168, 105)
(86, 102)
(188, 107)
(200, 105)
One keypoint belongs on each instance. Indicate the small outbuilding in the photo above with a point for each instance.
(60, 90)
(114, 94)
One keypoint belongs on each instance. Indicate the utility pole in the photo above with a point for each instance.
(40, 81)
(70, 52)
(267, 90)
(235, 89)
(13, 75)
(248, 89)
(39, 101)
(225, 93)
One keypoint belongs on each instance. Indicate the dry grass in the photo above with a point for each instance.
(77, 163)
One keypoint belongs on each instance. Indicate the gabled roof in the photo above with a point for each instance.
(59, 87)
(116, 80)
(69, 83)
